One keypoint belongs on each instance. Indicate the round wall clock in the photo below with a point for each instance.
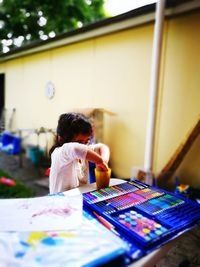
(50, 90)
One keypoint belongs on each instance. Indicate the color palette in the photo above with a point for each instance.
(157, 205)
(105, 207)
(125, 201)
(180, 216)
(149, 193)
(138, 184)
(119, 203)
(143, 213)
(109, 192)
(146, 229)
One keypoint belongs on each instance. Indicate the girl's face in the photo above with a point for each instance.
(82, 139)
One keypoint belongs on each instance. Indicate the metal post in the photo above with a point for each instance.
(155, 69)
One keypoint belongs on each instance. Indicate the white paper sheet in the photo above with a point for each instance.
(41, 213)
(91, 244)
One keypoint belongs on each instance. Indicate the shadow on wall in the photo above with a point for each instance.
(190, 167)
(117, 130)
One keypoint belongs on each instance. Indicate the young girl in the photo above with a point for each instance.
(71, 152)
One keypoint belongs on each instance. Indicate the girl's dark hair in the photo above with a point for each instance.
(70, 125)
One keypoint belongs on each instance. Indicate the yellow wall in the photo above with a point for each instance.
(113, 72)
(180, 94)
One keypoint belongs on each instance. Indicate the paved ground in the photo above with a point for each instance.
(31, 175)
(186, 252)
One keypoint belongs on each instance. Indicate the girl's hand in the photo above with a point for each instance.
(102, 166)
(92, 156)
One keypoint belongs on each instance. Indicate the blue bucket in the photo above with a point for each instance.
(35, 154)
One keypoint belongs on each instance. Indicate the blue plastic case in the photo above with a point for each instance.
(146, 216)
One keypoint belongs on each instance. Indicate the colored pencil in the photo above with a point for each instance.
(108, 225)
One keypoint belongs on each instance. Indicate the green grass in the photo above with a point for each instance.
(18, 191)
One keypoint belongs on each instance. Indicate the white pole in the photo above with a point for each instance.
(155, 68)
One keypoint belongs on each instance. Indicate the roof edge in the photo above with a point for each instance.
(126, 20)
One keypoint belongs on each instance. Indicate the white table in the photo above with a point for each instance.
(90, 187)
(147, 261)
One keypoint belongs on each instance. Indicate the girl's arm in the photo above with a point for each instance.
(75, 150)
(97, 159)
(104, 151)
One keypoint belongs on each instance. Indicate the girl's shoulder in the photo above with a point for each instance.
(70, 151)
(73, 146)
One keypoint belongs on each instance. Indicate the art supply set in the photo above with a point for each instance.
(144, 215)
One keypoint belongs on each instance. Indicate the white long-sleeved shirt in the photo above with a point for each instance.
(69, 168)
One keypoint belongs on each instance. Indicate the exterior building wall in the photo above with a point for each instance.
(180, 95)
(113, 72)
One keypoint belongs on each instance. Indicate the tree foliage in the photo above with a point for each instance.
(24, 21)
